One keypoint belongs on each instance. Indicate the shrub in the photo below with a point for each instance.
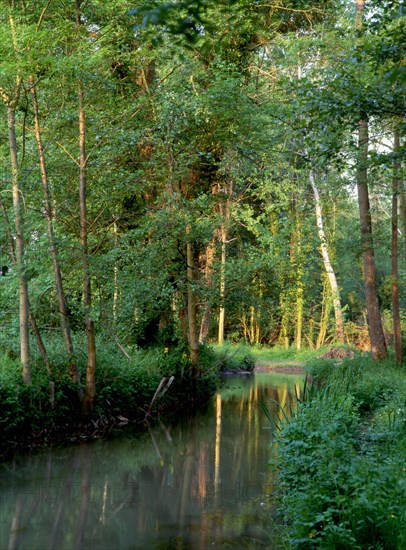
(340, 470)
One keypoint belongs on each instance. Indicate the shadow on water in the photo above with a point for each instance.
(195, 484)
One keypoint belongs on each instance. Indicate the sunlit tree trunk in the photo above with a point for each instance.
(327, 264)
(223, 235)
(283, 338)
(297, 270)
(376, 334)
(191, 305)
(324, 317)
(90, 386)
(15, 530)
(395, 276)
(222, 310)
(208, 272)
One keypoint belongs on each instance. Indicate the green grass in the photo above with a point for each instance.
(341, 459)
(266, 355)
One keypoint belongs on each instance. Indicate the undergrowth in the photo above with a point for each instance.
(124, 389)
(341, 459)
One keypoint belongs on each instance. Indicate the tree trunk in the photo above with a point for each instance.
(19, 250)
(299, 313)
(222, 311)
(208, 271)
(297, 270)
(51, 235)
(225, 212)
(90, 386)
(376, 334)
(395, 277)
(31, 318)
(283, 338)
(327, 264)
(324, 317)
(191, 307)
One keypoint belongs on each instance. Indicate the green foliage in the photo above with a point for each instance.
(123, 388)
(340, 460)
(231, 358)
(27, 410)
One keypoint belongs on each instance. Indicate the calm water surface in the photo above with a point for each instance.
(200, 483)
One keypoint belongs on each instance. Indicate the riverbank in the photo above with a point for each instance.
(341, 458)
(154, 383)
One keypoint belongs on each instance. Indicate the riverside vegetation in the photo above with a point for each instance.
(126, 392)
(341, 458)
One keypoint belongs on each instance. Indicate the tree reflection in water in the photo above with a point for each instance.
(195, 484)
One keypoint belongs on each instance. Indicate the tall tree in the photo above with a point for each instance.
(327, 263)
(395, 273)
(376, 334)
(11, 102)
(63, 312)
(90, 386)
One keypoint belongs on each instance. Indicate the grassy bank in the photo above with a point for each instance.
(266, 355)
(341, 459)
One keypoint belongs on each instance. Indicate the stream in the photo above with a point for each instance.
(202, 482)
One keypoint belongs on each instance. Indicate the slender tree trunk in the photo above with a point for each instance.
(297, 269)
(326, 305)
(191, 306)
(327, 264)
(395, 277)
(283, 338)
(376, 334)
(90, 387)
(222, 311)
(208, 272)
(31, 318)
(19, 251)
(225, 212)
(63, 314)
(299, 313)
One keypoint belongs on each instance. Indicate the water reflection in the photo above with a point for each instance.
(194, 485)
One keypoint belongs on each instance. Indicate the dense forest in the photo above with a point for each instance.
(175, 174)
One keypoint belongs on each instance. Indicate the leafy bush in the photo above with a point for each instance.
(340, 470)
